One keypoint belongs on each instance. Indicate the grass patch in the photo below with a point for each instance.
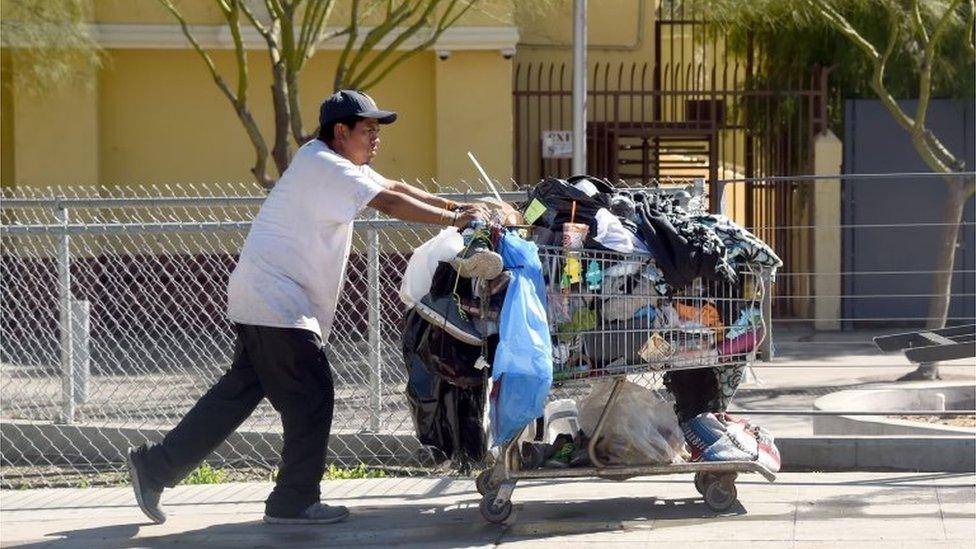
(205, 474)
(359, 471)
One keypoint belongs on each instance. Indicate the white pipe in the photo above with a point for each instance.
(579, 87)
(485, 177)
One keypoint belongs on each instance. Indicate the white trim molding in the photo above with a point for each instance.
(134, 36)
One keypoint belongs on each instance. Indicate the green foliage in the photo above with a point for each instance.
(791, 36)
(359, 471)
(50, 44)
(205, 474)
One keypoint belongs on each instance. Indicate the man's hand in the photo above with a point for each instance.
(466, 217)
(472, 211)
(474, 208)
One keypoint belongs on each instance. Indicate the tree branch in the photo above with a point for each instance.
(353, 35)
(264, 31)
(414, 28)
(316, 15)
(878, 74)
(928, 60)
(845, 28)
(970, 23)
(446, 22)
(393, 18)
(233, 16)
(917, 22)
(240, 107)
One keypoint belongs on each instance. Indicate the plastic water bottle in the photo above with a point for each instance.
(468, 233)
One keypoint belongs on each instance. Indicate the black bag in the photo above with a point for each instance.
(441, 353)
(423, 389)
(445, 416)
(450, 359)
(558, 196)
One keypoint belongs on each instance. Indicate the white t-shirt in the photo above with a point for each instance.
(293, 264)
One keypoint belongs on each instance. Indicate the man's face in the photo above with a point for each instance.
(362, 141)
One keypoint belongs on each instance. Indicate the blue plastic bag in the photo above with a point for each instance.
(522, 370)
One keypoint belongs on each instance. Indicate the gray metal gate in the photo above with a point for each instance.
(892, 262)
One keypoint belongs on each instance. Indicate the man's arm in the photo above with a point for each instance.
(420, 195)
(407, 208)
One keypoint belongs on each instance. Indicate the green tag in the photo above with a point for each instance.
(534, 211)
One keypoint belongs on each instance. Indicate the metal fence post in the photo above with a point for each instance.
(373, 293)
(766, 348)
(64, 306)
(81, 348)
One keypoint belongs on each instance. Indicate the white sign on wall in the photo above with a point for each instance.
(557, 144)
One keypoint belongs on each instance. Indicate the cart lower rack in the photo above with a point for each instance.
(613, 317)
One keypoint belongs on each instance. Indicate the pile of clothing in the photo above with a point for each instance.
(679, 302)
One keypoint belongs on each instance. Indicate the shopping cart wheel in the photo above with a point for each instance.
(720, 494)
(495, 513)
(702, 480)
(482, 481)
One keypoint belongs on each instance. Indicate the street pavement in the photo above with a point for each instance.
(800, 510)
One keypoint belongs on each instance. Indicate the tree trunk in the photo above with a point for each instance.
(945, 261)
(949, 237)
(946, 255)
(281, 152)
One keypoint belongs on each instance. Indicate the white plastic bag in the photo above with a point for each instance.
(641, 427)
(420, 269)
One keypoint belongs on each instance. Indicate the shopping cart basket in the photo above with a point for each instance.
(613, 317)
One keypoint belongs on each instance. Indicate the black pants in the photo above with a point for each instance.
(287, 365)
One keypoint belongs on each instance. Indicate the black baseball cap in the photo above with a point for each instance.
(346, 103)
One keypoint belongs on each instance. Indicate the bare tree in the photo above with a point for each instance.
(292, 30)
(928, 146)
(888, 49)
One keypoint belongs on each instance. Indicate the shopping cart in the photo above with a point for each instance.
(613, 318)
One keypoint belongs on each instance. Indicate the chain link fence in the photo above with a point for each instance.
(142, 333)
(112, 324)
(118, 359)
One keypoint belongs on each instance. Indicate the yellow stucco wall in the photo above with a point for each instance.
(167, 121)
(56, 137)
(485, 12)
(474, 113)
(155, 116)
(617, 31)
(7, 172)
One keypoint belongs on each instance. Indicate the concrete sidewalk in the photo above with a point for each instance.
(856, 510)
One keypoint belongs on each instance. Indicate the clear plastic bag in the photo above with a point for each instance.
(420, 269)
(641, 427)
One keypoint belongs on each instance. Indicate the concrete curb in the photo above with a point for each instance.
(42, 443)
(47, 443)
(954, 454)
(938, 395)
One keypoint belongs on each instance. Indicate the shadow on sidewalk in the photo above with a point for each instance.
(459, 525)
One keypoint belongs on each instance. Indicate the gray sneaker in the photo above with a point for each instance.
(147, 495)
(477, 260)
(445, 313)
(316, 513)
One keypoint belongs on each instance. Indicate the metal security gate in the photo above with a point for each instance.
(694, 111)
